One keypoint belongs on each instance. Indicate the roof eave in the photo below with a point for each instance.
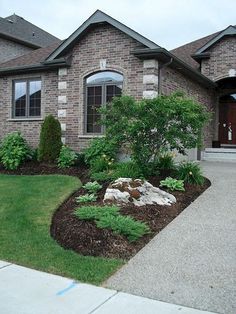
(164, 56)
(20, 41)
(44, 66)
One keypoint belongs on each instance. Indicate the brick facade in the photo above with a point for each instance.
(222, 60)
(10, 49)
(63, 90)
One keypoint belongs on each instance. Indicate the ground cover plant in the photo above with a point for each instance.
(67, 157)
(172, 184)
(26, 217)
(109, 217)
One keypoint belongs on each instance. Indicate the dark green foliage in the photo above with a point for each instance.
(14, 150)
(102, 176)
(109, 217)
(67, 157)
(151, 126)
(165, 161)
(50, 140)
(190, 172)
(100, 152)
(127, 169)
(173, 184)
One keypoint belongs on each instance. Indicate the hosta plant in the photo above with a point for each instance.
(172, 184)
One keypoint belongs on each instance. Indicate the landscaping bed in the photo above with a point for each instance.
(86, 238)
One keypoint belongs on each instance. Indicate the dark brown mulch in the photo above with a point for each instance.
(85, 238)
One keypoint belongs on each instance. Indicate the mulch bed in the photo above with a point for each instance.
(84, 237)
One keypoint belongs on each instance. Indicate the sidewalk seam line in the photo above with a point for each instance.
(96, 308)
(5, 266)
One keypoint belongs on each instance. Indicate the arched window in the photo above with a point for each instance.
(101, 87)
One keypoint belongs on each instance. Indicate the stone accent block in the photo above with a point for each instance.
(62, 99)
(150, 79)
(62, 85)
(150, 94)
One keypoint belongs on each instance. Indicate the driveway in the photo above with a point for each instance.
(192, 262)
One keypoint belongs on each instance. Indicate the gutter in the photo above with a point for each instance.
(35, 67)
(164, 55)
(164, 65)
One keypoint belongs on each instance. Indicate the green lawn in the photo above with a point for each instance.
(26, 207)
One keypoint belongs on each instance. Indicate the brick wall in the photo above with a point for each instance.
(222, 59)
(10, 49)
(172, 81)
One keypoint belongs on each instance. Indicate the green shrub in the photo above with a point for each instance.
(102, 176)
(151, 125)
(100, 148)
(126, 170)
(108, 217)
(92, 187)
(173, 184)
(14, 151)
(165, 161)
(67, 157)
(50, 140)
(190, 172)
(86, 198)
(103, 163)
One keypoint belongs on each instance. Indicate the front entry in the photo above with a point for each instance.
(227, 120)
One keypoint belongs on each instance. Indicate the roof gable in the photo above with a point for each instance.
(96, 18)
(229, 31)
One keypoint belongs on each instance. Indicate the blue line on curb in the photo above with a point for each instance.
(62, 292)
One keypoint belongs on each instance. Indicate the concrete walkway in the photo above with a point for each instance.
(192, 262)
(27, 291)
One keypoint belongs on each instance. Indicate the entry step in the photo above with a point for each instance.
(219, 154)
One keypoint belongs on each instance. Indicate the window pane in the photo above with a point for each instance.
(105, 76)
(94, 101)
(113, 90)
(34, 98)
(20, 99)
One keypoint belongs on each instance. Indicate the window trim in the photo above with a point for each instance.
(103, 85)
(27, 116)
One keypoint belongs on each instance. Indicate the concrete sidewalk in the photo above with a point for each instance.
(192, 262)
(27, 291)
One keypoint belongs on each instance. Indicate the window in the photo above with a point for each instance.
(27, 98)
(101, 87)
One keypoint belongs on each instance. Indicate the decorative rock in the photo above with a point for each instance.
(138, 192)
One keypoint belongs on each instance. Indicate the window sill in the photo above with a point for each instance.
(90, 136)
(25, 119)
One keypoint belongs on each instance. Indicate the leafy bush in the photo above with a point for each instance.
(50, 140)
(101, 164)
(14, 150)
(109, 217)
(165, 161)
(102, 176)
(126, 170)
(67, 157)
(101, 149)
(92, 187)
(86, 198)
(173, 184)
(190, 172)
(151, 125)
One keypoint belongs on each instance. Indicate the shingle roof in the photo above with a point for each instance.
(34, 57)
(184, 52)
(17, 28)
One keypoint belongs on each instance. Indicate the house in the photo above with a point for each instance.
(18, 36)
(104, 58)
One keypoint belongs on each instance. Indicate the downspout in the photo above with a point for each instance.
(164, 65)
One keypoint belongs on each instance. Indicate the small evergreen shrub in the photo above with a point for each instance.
(50, 140)
(173, 184)
(92, 187)
(67, 157)
(190, 172)
(14, 150)
(108, 217)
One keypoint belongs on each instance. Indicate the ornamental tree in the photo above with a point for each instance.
(151, 126)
